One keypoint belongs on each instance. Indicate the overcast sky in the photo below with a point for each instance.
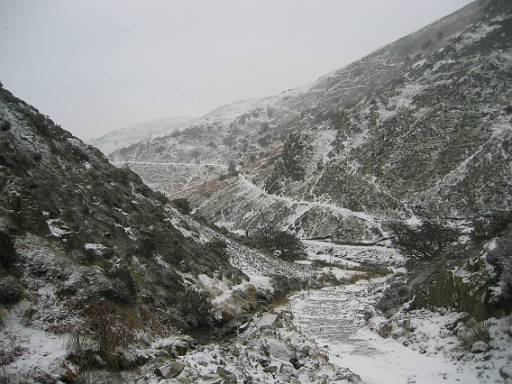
(99, 65)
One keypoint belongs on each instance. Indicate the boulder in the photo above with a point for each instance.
(278, 350)
(170, 370)
(479, 347)
(98, 250)
(506, 371)
(175, 346)
(385, 329)
(272, 369)
(267, 320)
(229, 377)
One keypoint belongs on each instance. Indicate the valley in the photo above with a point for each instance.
(354, 230)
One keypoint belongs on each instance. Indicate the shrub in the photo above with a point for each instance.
(182, 205)
(427, 241)
(233, 169)
(500, 257)
(195, 308)
(280, 243)
(159, 196)
(229, 141)
(5, 126)
(7, 252)
(37, 156)
(110, 327)
(217, 247)
(11, 290)
(488, 227)
(477, 331)
(39, 122)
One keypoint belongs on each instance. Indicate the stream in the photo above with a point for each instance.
(336, 319)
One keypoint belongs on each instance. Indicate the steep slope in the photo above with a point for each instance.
(95, 267)
(422, 124)
(141, 131)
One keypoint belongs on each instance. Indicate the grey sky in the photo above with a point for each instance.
(99, 65)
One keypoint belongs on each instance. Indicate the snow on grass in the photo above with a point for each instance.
(346, 254)
(477, 34)
(41, 349)
(335, 318)
(340, 274)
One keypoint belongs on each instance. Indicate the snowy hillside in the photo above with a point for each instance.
(142, 131)
(422, 124)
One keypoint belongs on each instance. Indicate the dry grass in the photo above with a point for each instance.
(477, 331)
(3, 314)
(8, 377)
(369, 272)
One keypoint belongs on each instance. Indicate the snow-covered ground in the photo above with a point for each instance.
(344, 322)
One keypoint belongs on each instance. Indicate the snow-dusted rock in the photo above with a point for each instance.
(98, 250)
(278, 350)
(267, 320)
(479, 347)
(506, 371)
(385, 329)
(229, 377)
(170, 370)
(175, 346)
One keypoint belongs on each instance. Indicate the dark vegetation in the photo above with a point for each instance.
(182, 205)
(57, 179)
(233, 169)
(426, 241)
(432, 282)
(281, 244)
(291, 165)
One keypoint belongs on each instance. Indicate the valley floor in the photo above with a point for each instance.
(420, 346)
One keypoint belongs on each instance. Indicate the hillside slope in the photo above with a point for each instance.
(421, 125)
(142, 131)
(95, 267)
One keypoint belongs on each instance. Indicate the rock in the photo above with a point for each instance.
(98, 250)
(509, 331)
(272, 369)
(170, 370)
(11, 290)
(175, 346)
(347, 375)
(229, 377)
(506, 371)
(385, 329)
(266, 321)
(278, 350)
(128, 359)
(67, 372)
(479, 347)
